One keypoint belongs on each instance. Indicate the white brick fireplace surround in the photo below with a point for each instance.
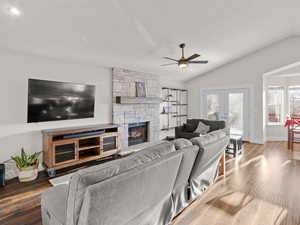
(123, 84)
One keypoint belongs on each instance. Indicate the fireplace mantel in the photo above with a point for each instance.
(137, 100)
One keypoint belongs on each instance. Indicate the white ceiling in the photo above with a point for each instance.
(136, 34)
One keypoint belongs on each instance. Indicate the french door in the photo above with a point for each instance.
(230, 105)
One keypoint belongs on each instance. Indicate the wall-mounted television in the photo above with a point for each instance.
(52, 100)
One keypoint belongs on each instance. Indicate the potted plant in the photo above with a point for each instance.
(27, 165)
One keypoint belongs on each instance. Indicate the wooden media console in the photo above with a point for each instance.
(73, 146)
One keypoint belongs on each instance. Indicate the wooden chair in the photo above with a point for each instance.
(293, 128)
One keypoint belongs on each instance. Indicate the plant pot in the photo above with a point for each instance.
(29, 173)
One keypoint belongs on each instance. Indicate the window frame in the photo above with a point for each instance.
(282, 109)
(289, 95)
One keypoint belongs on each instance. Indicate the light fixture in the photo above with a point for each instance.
(14, 11)
(183, 64)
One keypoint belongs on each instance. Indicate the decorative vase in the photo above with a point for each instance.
(29, 173)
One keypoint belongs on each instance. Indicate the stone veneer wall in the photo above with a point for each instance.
(123, 114)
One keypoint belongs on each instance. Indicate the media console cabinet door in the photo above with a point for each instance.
(65, 151)
(109, 144)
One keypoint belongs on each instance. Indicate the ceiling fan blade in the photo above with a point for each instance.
(192, 57)
(171, 59)
(199, 62)
(168, 64)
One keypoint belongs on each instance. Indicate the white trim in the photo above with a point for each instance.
(276, 138)
(281, 69)
(257, 141)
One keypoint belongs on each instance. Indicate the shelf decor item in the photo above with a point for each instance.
(140, 89)
(27, 165)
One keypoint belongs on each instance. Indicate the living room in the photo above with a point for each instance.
(196, 105)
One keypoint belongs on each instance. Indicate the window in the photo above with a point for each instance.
(213, 107)
(275, 105)
(294, 100)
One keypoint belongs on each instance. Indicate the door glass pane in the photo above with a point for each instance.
(275, 104)
(235, 116)
(213, 107)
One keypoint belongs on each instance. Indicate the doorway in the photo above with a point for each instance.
(230, 105)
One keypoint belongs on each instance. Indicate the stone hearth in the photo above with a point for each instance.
(124, 114)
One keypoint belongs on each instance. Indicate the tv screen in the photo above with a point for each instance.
(51, 100)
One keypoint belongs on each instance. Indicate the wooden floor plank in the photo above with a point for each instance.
(262, 187)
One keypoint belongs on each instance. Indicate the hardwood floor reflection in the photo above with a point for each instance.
(262, 188)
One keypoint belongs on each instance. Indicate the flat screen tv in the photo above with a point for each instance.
(52, 100)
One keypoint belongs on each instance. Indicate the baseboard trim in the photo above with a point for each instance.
(276, 138)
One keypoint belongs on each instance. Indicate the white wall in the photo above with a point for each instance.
(15, 70)
(247, 71)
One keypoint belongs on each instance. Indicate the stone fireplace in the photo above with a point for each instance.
(134, 114)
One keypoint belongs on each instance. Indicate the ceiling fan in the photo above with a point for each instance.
(184, 62)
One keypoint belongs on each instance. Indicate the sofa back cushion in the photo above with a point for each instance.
(123, 198)
(189, 152)
(82, 179)
(212, 146)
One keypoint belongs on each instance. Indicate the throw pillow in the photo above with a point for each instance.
(202, 128)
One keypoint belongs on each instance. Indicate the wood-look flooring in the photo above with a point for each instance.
(262, 187)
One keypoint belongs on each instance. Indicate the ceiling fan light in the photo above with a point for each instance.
(183, 64)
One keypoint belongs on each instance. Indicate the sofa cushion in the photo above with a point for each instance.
(212, 137)
(180, 197)
(189, 128)
(213, 146)
(121, 199)
(82, 179)
(192, 124)
(181, 143)
(202, 128)
(214, 125)
(54, 204)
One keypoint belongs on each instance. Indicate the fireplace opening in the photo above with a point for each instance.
(137, 133)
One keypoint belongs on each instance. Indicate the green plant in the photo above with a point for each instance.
(26, 160)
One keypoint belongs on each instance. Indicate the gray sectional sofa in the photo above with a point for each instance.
(149, 187)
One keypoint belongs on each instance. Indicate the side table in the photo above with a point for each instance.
(235, 145)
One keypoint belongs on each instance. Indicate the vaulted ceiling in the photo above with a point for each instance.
(136, 34)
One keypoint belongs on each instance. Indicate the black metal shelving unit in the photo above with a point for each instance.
(174, 108)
